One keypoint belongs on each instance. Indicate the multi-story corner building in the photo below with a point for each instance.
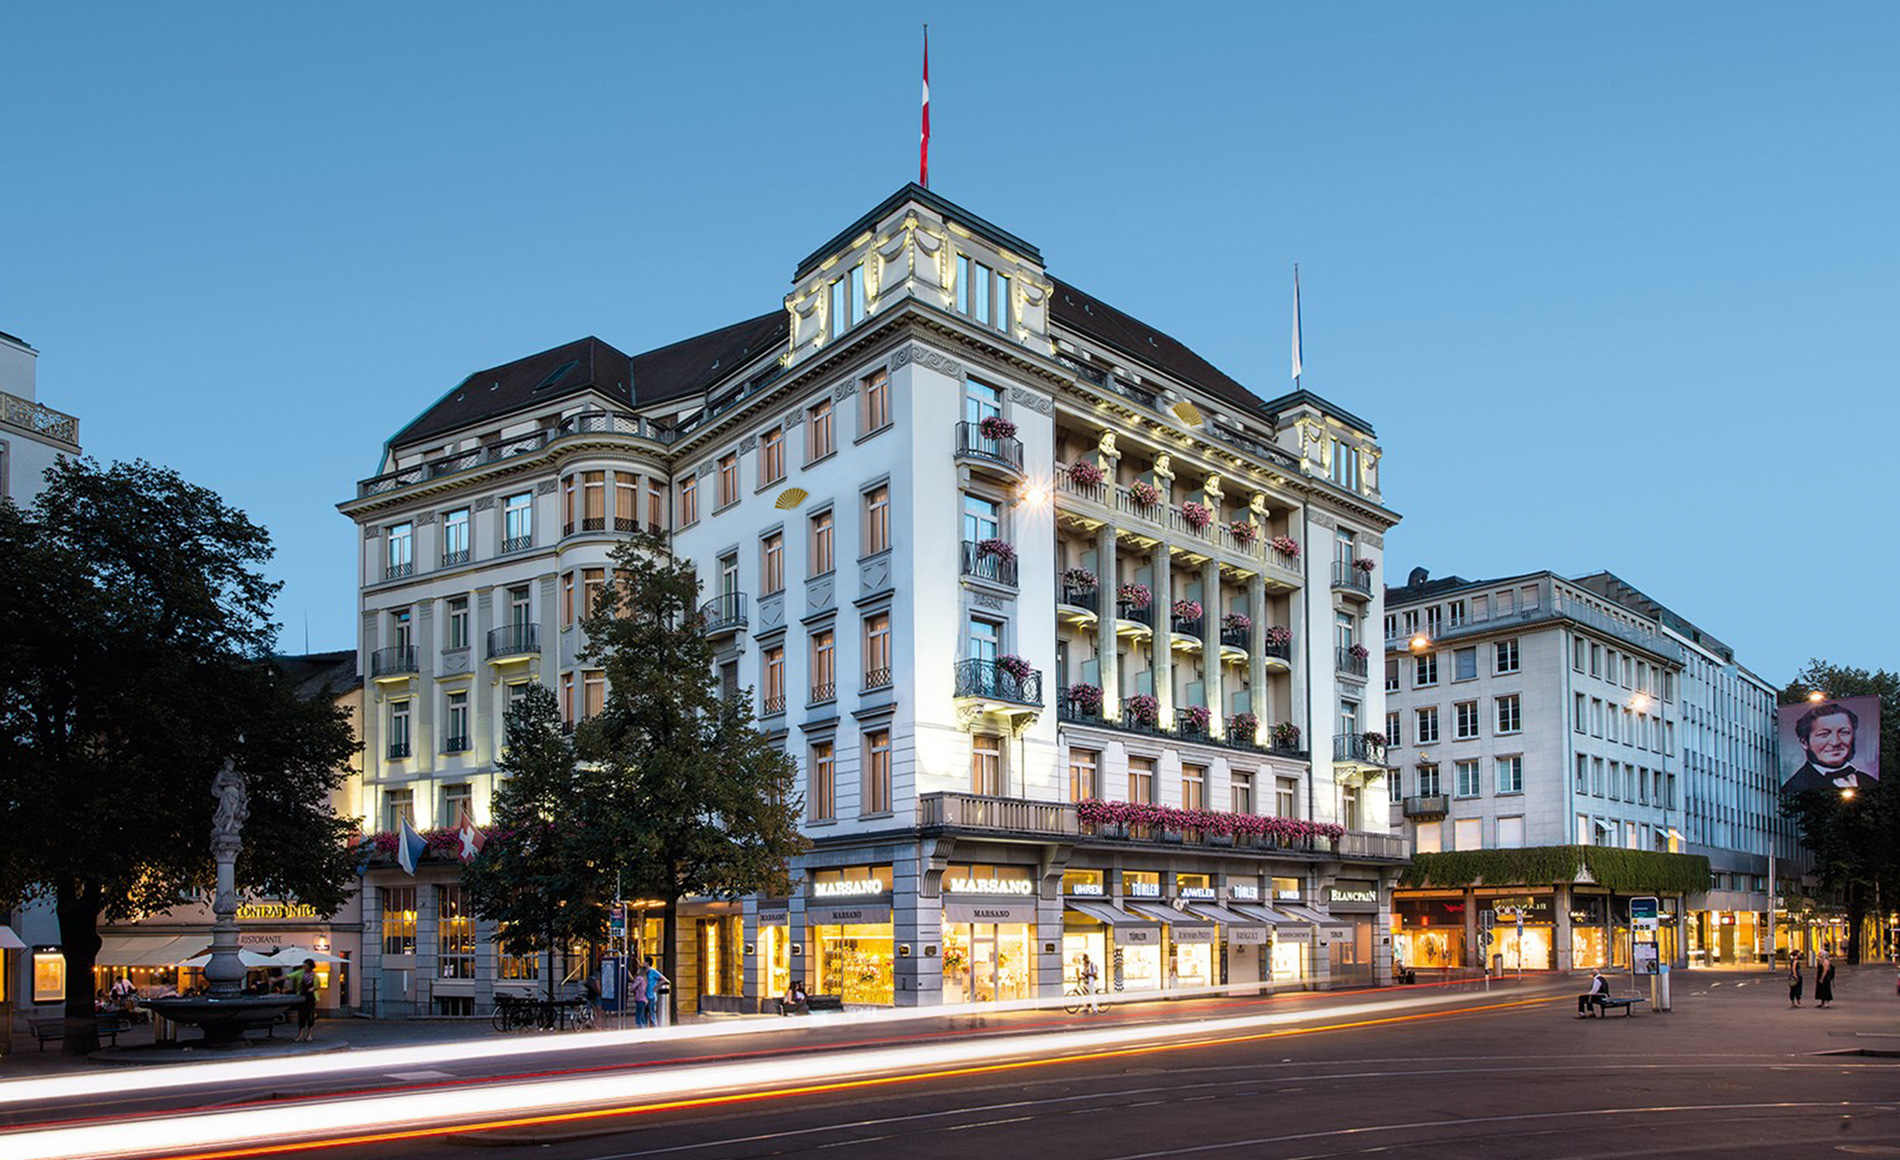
(32, 435)
(1539, 711)
(992, 558)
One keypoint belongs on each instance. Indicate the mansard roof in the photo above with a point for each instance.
(555, 373)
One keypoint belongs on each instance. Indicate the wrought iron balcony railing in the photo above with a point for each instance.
(973, 444)
(990, 680)
(514, 640)
(387, 662)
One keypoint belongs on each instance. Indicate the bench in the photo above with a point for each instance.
(54, 1030)
(824, 1002)
(1605, 1003)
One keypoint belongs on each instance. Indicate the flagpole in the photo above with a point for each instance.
(923, 139)
(1297, 337)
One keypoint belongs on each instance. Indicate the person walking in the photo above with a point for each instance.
(304, 983)
(1090, 975)
(1794, 979)
(1824, 981)
(637, 992)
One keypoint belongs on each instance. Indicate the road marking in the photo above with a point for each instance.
(413, 1075)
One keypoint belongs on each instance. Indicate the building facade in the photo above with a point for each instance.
(1537, 712)
(1067, 631)
(32, 435)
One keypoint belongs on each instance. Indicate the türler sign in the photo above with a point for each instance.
(1349, 894)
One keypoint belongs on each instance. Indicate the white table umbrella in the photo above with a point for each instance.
(248, 958)
(294, 956)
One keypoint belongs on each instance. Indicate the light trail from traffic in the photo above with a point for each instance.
(418, 1115)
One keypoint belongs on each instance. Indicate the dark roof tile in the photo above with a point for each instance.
(564, 370)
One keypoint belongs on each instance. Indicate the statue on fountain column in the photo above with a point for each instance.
(233, 806)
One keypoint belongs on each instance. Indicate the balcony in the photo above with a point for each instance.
(1282, 572)
(1351, 579)
(1057, 820)
(724, 614)
(1565, 609)
(877, 679)
(1349, 663)
(456, 745)
(398, 750)
(985, 680)
(393, 663)
(772, 705)
(1134, 619)
(1073, 596)
(455, 558)
(514, 640)
(1192, 726)
(1279, 655)
(591, 423)
(1005, 452)
(399, 571)
(1355, 748)
(518, 543)
(1194, 626)
(1083, 708)
(1240, 638)
(42, 420)
(823, 693)
(1431, 805)
(993, 566)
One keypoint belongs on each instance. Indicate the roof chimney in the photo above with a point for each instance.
(1417, 578)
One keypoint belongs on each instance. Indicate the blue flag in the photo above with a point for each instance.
(409, 847)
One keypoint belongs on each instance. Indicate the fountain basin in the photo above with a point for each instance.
(224, 1020)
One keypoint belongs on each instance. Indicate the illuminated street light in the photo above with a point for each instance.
(1817, 695)
(1640, 703)
(1419, 642)
(1847, 794)
(1036, 494)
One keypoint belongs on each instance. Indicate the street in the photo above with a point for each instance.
(1508, 1073)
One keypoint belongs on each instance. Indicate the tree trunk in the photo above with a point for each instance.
(550, 963)
(78, 912)
(1856, 914)
(669, 954)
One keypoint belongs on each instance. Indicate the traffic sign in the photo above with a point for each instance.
(1487, 919)
(1645, 913)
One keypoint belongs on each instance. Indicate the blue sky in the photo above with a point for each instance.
(1616, 283)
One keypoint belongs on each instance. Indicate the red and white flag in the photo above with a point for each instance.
(923, 144)
(472, 839)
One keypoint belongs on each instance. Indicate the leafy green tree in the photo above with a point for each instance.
(1855, 840)
(687, 798)
(137, 635)
(536, 874)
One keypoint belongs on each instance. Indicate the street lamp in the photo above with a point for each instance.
(1817, 696)
(1419, 642)
(1640, 703)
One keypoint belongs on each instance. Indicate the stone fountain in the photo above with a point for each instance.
(226, 1011)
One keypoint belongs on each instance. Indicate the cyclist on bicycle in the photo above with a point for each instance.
(1088, 975)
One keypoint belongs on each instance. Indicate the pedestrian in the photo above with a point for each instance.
(305, 981)
(1824, 981)
(1599, 991)
(657, 987)
(637, 991)
(1794, 979)
(1089, 976)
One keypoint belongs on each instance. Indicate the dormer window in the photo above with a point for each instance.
(982, 293)
(847, 300)
(1345, 465)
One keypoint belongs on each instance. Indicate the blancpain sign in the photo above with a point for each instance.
(1020, 887)
(847, 888)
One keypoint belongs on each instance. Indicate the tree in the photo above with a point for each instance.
(138, 634)
(687, 797)
(1854, 839)
(536, 875)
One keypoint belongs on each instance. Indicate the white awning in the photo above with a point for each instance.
(148, 950)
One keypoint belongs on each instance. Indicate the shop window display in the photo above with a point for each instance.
(775, 959)
(855, 962)
(986, 962)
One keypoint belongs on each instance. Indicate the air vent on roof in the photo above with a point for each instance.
(558, 374)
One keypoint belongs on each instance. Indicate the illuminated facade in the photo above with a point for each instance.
(1006, 570)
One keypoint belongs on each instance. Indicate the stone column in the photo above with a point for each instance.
(1163, 609)
(428, 945)
(1257, 654)
(1107, 640)
(1213, 668)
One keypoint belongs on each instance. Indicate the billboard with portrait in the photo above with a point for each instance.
(1832, 744)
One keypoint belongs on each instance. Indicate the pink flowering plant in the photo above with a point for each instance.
(1001, 549)
(1246, 531)
(1145, 494)
(1087, 473)
(1015, 666)
(1188, 609)
(1286, 735)
(997, 427)
(1236, 622)
(1196, 718)
(1087, 698)
(1374, 738)
(1096, 813)
(1243, 725)
(1143, 709)
(1364, 564)
(1135, 595)
(1285, 545)
(1079, 580)
(1279, 634)
(1198, 515)
(1359, 652)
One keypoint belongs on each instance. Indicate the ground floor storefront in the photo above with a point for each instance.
(1559, 927)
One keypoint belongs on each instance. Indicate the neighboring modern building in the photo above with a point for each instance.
(32, 435)
(1539, 711)
(991, 556)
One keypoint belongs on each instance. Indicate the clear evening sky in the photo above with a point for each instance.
(1615, 284)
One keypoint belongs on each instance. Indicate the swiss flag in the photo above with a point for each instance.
(472, 839)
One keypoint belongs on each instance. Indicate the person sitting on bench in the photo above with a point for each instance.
(794, 1001)
(1598, 992)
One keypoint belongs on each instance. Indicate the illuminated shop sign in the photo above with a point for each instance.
(847, 888)
(251, 911)
(1196, 892)
(1246, 893)
(1021, 887)
(1143, 889)
(1089, 888)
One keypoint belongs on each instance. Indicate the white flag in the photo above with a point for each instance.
(1296, 323)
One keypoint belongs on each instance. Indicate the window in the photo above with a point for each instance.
(1085, 775)
(1467, 834)
(398, 730)
(1241, 786)
(1596, 660)
(626, 503)
(567, 698)
(517, 522)
(567, 599)
(1345, 465)
(982, 293)
(457, 739)
(877, 520)
(1466, 726)
(518, 606)
(455, 537)
(1193, 787)
(594, 489)
(1349, 717)
(1345, 630)
(774, 691)
(982, 519)
(1581, 711)
(1426, 731)
(986, 639)
(1434, 622)
(821, 783)
(516, 967)
(1393, 733)
(877, 402)
(1141, 780)
(399, 920)
(1596, 776)
(1391, 674)
(824, 666)
(846, 300)
(1467, 779)
(1583, 774)
(457, 799)
(402, 545)
(399, 806)
(1394, 787)
(820, 437)
(877, 772)
(1428, 785)
(458, 622)
(1425, 671)
(729, 478)
(821, 546)
(1510, 719)
(689, 499)
(1577, 654)
(569, 500)
(772, 564)
(1506, 656)
(455, 934)
(772, 456)
(1464, 665)
(656, 506)
(986, 765)
(593, 585)
(1616, 781)
(1286, 797)
(593, 692)
(1459, 617)
(877, 650)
